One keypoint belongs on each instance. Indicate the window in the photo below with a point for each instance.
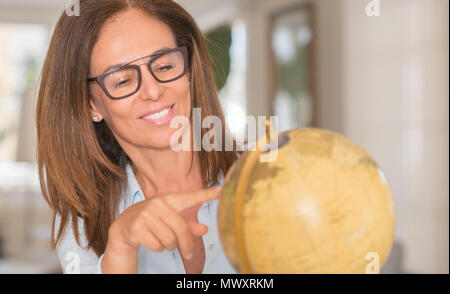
(228, 49)
(22, 50)
(291, 39)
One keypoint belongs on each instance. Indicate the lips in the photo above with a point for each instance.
(160, 118)
(156, 110)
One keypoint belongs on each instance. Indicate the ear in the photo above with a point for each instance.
(96, 116)
(91, 102)
(188, 75)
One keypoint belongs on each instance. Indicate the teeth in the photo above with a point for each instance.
(157, 115)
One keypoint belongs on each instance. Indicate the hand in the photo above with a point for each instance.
(157, 224)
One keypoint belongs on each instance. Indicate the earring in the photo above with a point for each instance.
(95, 118)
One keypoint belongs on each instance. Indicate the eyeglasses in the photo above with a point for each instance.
(165, 66)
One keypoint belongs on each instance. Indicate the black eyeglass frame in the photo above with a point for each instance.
(99, 79)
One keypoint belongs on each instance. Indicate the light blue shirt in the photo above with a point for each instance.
(76, 259)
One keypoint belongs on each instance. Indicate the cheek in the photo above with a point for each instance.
(184, 97)
(99, 100)
(115, 113)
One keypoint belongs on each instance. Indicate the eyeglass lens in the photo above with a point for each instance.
(126, 81)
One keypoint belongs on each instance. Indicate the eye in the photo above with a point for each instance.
(121, 83)
(166, 67)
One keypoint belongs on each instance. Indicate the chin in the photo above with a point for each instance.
(161, 141)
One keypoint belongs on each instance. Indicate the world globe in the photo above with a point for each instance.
(322, 206)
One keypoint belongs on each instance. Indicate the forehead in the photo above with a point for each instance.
(128, 36)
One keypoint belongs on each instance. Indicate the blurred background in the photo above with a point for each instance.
(376, 71)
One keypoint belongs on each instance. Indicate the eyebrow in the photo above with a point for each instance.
(115, 66)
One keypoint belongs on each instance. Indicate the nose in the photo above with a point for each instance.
(150, 88)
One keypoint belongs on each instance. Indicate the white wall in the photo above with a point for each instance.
(31, 11)
(395, 104)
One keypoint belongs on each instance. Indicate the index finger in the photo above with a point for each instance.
(181, 201)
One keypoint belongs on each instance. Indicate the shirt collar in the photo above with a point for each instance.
(134, 190)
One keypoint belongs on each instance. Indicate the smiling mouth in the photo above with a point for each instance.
(158, 115)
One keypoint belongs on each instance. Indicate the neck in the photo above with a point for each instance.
(164, 171)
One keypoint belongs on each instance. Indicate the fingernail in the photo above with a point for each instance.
(189, 256)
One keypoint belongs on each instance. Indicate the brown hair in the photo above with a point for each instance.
(81, 165)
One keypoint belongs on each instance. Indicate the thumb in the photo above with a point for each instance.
(197, 229)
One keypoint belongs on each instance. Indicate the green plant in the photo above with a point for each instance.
(219, 43)
(31, 71)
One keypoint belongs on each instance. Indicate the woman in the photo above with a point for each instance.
(123, 200)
